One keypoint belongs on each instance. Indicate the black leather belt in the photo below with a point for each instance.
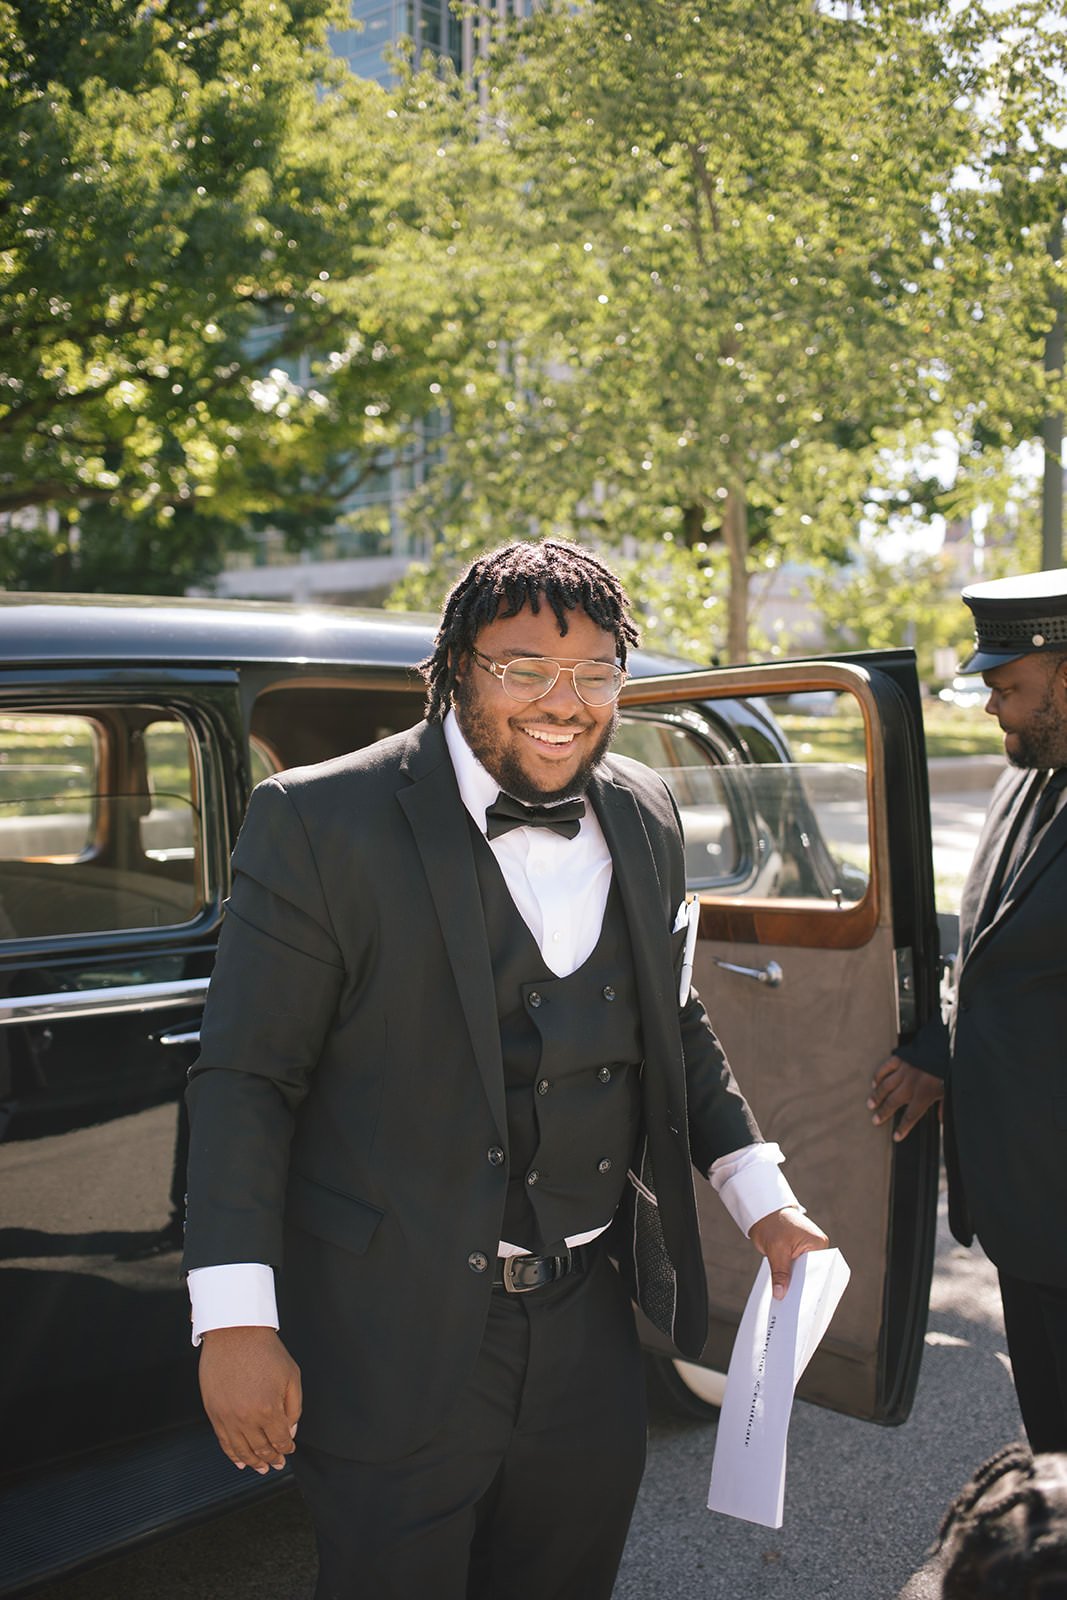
(520, 1274)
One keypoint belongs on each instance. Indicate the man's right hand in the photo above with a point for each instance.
(898, 1086)
(250, 1386)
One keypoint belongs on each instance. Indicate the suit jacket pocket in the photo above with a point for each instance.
(340, 1219)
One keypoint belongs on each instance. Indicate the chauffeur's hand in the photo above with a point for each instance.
(898, 1086)
(251, 1390)
(782, 1236)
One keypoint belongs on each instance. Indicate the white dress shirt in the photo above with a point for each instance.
(560, 887)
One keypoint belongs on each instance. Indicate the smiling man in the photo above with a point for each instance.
(444, 1020)
(1001, 1063)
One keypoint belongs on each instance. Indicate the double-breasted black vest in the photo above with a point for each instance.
(571, 1050)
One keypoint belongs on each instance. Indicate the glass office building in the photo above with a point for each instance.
(431, 25)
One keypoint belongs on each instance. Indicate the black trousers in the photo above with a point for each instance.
(527, 1490)
(1035, 1321)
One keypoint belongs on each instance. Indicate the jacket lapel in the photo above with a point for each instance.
(1017, 812)
(1006, 816)
(644, 900)
(1052, 842)
(438, 821)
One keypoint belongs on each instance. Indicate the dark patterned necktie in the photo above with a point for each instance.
(1041, 815)
(1048, 800)
(506, 813)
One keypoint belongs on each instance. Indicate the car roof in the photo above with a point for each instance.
(42, 628)
(59, 629)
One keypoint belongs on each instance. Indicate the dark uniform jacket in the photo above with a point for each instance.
(1004, 1052)
(350, 1083)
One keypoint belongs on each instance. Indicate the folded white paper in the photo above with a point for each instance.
(775, 1342)
(689, 918)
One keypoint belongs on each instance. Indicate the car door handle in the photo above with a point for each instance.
(189, 1036)
(771, 974)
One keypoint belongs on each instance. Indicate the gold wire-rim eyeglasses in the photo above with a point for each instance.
(596, 683)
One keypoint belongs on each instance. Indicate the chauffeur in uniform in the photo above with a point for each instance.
(1002, 1060)
(443, 1019)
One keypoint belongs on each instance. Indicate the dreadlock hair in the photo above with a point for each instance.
(1004, 1537)
(501, 583)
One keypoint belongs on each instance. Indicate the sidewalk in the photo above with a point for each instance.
(960, 787)
(961, 774)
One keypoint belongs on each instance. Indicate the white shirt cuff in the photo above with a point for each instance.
(236, 1295)
(750, 1184)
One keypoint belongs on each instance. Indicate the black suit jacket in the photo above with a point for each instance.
(1004, 1053)
(350, 1082)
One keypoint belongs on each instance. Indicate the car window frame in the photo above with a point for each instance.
(783, 920)
(171, 697)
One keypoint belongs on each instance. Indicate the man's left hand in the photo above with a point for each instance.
(782, 1236)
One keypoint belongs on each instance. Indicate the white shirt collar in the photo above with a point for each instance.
(477, 788)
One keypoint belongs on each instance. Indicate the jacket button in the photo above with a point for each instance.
(535, 998)
(496, 1156)
(608, 992)
(604, 1074)
(603, 1166)
(543, 1086)
(477, 1261)
(532, 1178)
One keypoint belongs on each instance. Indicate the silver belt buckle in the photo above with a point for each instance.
(508, 1274)
(510, 1265)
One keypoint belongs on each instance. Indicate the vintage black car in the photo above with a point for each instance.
(131, 733)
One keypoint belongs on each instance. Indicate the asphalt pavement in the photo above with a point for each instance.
(861, 1505)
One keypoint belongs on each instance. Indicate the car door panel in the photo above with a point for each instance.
(829, 982)
(113, 857)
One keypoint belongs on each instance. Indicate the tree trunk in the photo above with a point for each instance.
(1052, 426)
(735, 537)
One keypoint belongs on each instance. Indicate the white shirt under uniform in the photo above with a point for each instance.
(560, 887)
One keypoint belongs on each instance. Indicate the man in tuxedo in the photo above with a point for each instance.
(1001, 1062)
(445, 1018)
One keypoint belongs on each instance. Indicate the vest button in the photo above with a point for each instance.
(532, 1178)
(477, 1261)
(496, 1156)
(603, 1166)
(608, 992)
(535, 998)
(604, 1074)
(543, 1086)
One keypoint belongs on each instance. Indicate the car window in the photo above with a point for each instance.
(790, 828)
(99, 822)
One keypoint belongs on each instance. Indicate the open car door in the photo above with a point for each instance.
(803, 794)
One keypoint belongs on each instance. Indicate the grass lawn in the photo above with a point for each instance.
(950, 731)
(960, 730)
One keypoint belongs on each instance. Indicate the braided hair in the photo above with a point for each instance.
(1005, 1535)
(500, 583)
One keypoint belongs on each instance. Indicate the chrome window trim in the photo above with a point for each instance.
(93, 1002)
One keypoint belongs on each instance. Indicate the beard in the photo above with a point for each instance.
(1043, 741)
(503, 765)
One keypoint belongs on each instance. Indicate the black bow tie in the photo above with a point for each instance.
(506, 813)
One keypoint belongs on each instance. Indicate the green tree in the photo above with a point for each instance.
(1009, 205)
(726, 281)
(878, 604)
(203, 324)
